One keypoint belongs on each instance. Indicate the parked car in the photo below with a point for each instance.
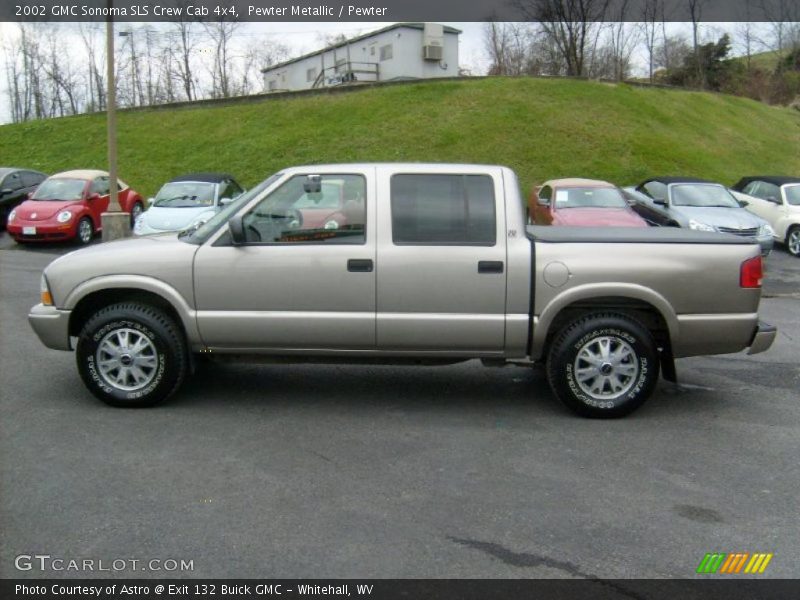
(777, 201)
(187, 201)
(67, 206)
(581, 203)
(457, 269)
(15, 185)
(698, 204)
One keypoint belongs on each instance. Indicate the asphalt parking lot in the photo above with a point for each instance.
(446, 472)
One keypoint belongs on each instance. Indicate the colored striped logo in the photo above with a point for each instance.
(737, 562)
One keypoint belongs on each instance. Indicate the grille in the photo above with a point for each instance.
(750, 232)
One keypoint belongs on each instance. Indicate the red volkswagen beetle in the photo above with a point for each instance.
(67, 206)
(581, 203)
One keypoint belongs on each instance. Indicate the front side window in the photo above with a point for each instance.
(60, 189)
(769, 190)
(311, 210)
(230, 190)
(545, 195)
(443, 209)
(589, 197)
(792, 193)
(100, 186)
(702, 195)
(655, 189)
(185, 194)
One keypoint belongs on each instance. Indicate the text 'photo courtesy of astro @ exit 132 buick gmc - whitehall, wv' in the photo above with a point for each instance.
(428, 264)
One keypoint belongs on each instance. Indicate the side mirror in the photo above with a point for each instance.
(773, 199)
(660, 201)
(150, 201)
(743, 203)
(30, 195)
(225, 201)
(236, 228)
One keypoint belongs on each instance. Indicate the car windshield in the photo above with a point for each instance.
(202, 233)
(330, 197)
(60, 189)
(596, 197)
(792, 194)
(185, 194)
(702, 195)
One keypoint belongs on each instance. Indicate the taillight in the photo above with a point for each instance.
(751, 273)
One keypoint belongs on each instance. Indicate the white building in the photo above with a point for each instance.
(399, 51)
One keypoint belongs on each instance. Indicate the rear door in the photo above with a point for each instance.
(441, 257)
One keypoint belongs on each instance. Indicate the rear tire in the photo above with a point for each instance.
(136, 211)
(793, 241)
(603, 365)
(132, 355)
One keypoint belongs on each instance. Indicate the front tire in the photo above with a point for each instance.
(131, 355)
(84, 232)
(603, 365)
(793, 241)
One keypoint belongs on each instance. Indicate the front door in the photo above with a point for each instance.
(99, 205)
(441, 263)
(299, 283)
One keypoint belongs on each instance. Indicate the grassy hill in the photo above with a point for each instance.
(543, 128)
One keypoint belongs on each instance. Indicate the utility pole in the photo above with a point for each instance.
(116, 224)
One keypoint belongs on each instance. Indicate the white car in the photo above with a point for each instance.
(187, 201)
(776, 200)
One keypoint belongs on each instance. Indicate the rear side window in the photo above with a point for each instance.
(443, 209)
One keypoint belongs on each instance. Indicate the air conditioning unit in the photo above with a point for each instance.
(432, 52)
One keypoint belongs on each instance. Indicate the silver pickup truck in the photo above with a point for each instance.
(402, 264)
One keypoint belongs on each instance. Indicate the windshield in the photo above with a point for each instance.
(792, 194)
(330, 197)
(202, 233)
(185, 194)
(595, 197)
(60, 189)
(702, 195)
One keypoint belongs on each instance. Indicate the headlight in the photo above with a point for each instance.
(12, 215)
(697, 225)
(766, 230)
(44, 289)
(332, 224)
(64, 216)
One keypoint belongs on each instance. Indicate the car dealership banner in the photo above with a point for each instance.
(387, 10)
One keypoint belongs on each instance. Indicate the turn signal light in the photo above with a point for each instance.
(47, 299)
(751, 273)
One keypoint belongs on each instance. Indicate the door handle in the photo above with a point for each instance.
(490, 266)
(360, 265)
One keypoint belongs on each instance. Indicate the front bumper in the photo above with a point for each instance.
(762, 338)
(46, 231)
(51, 325)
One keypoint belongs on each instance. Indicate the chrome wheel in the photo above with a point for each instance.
(793, 242)
(85, 231)
(606, 367)
(127, 359)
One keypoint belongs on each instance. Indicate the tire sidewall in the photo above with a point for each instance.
(78, 238)
(561, 366)
(793, 229)
(171, 363)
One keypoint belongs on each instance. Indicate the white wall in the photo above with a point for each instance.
(406, 61)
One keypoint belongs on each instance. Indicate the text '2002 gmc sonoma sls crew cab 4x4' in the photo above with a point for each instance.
(424, 264)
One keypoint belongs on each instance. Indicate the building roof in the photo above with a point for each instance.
(773, 179)
(81, 174)
(202, 177)
(578, 182)
(447, 29)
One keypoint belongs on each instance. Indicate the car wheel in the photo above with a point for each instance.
(603, 365)
(136, 211)
(85, 231)
(793, 241)
(131, 355)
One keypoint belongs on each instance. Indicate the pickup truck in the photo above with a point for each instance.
(434, 265)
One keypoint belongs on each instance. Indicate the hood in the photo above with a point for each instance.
(598, 217)
(729, 218)
(43, 209)
(174, 219)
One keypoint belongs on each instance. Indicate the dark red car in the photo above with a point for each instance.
(67, 206)
(581, 203)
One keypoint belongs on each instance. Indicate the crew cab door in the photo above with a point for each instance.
(293, 285)
(441, 261)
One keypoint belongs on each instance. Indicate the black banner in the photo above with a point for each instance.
(733, 588)
(379, 10)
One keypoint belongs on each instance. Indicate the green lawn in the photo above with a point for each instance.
(540, 127)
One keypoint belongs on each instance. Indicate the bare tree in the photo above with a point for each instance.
(90, 35)
(257, 56)
(570, 24)
(508, 46)
(221, 33)
(696, 13)
(650, 11)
